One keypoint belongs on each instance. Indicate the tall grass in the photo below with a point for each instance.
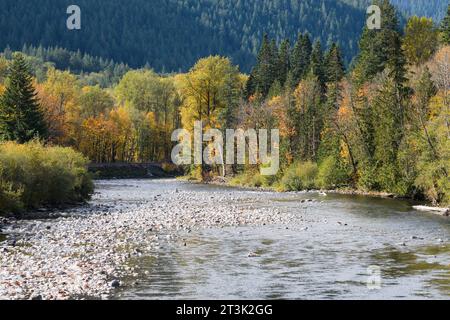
(33, 175)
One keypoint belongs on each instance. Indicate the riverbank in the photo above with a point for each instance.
(132, 170)
(86, 252)
(443, 211)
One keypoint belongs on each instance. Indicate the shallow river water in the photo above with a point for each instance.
(347, 247)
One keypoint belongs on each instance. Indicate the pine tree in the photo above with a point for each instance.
(335, 70)
(334, 64)
(21, 118)
(300, 58)
(317, 67)
(445, 28)
(283, 62)
(381, 48)
(265, 69)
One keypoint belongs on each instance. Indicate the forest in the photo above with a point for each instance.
(171, 35)
(381, 125)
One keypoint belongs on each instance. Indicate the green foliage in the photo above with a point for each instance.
(21, 118)
(32, 175)
(90, 70)
(317, 65)
(300, 58)
(300, 176)
(445, 28)
(332, 173)
(283, 63)
(381, 48)
(420, 40)
(389, 113)
(251, 177)
(334, 65)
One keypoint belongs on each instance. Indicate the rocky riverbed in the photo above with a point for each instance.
(166, 238)
(84, 253)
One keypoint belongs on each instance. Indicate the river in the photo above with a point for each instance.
(346, 247)
(167, 239)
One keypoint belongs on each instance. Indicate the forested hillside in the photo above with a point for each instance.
(434, 9)
(429, 8)
(170, 35)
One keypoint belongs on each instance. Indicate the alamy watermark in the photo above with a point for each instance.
(74, 20)
(374, 18)
(374, 280)
(237, 143)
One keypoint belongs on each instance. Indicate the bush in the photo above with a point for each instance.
(434, 182)
(368, 178)
(299, 176)
(252, 177)
(332, 174)
(32, 175)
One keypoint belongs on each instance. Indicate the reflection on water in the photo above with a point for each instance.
(326, 257)
(2, 237)
(431, 262)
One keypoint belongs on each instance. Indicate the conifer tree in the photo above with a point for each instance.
(283, 62)
(381, 48)
(334, 64)
(445, 28)
(317, 67)
(300, 58)
(264, 73)
(21, 118)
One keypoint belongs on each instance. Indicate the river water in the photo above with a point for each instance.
(347, 247)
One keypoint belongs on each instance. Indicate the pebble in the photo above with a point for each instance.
(115, 284)
(81, 250)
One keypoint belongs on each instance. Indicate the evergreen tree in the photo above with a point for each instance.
(283, 62)
(381, 48)
(317, 67)
(300, 58)
(445, 28)
(21, 118)
(334, 64)
(335, 70)
(265, 69)
(250, 86)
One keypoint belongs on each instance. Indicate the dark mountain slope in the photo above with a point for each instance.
(170, 35)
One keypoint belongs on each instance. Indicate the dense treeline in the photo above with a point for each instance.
(91, 70)
(129, 122)
(171, 35)
(382, 125)
(434, 9)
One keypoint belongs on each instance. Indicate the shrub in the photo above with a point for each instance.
(434, 182)
(368, 178)
(195, 173)
(332, 174)
(252, 177)
(33, 175)
(299, 176)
